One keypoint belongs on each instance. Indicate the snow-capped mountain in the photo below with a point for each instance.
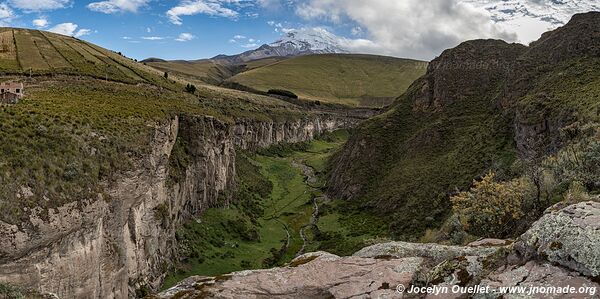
(315, 40)
(295, 42)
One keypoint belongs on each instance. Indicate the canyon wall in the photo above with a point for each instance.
(124, 240)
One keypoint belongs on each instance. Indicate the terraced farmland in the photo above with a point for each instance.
(34, 52)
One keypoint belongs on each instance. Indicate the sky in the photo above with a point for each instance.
(195, 29)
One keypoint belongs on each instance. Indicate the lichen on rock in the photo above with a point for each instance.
(568, 237)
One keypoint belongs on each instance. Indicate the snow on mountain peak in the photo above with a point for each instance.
(317, 40)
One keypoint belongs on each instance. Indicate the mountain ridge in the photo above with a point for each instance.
(296, 42)
(481, 106)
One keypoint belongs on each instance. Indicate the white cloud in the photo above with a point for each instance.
(423, 28)
(249, 45)
(38, 5)
(239, 37)
(69, 29)
(126, 38)
(184, 37)
(115, 6)
(6, 14)
(279, 27)
(530, 18)
(221, 8)
(408, 28)
(153, 37)
(40, 23)
(82, 32)
(276, 5)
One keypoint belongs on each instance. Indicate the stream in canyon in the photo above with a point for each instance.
(280, 211)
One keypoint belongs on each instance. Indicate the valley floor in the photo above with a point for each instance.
(296, 217)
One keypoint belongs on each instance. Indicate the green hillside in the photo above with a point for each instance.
(355, 80)
(34, 52)
(483, 106)
(206, 70)
(202, 70)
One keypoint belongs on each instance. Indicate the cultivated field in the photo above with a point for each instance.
(34, 52)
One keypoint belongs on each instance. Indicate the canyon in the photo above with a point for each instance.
(527, 114)
(123, 240)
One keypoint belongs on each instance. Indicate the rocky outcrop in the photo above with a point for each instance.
(471, 68)
(309, 276)
(435, 252)
(389, 270)
(123, 240)
(543, 276)
(569, 237)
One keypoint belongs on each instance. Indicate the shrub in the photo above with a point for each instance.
(245, 264)
(576, 193)
(283, 93)
(492, 208)
(191, 88)
(579, 162)
(451, 233)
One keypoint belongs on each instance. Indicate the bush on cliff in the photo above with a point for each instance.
(579, 162)
(492, 208)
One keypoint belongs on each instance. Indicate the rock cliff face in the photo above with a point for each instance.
(107, 247)
(388, 270)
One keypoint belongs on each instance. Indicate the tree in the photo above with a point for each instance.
(190, 88)
(492, 208)
(166, 75)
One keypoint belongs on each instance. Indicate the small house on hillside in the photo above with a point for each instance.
(10, 92)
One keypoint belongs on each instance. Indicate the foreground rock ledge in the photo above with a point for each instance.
(376, 271)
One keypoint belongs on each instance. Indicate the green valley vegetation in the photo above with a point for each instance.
(354, 80)
(279, 204)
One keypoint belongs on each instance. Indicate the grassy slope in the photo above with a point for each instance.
(356, 80)
(67, 134)
(24, 51)
(417, 160)
(406, 162)
(207, 71)
(413, 160)
(216, 247)
(203, 70)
